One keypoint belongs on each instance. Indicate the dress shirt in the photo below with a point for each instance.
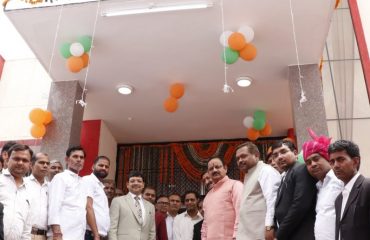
(183, 226)
(169, 225)
(17, 208)
(95, 189)
(141, 204)
(67, 205)
(328, 191)
(39, 199)
(346, 191)
(269, 180)
(221, 210)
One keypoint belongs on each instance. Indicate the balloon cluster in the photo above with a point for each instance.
(238, 44)
(257, 125)
(39, 118)
(76, 53)
(171, 104)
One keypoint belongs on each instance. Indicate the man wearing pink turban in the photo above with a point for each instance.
(316, 157)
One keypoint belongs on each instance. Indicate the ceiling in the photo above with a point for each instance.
(152, 51)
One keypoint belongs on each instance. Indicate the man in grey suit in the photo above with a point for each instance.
(132, 217)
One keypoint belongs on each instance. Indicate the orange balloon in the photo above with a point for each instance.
(337, 2)
(177, 90)
(267, 130)
(75, 64)
(249, 52)
(252, 134)
(171, 104)
(38, 131)
(85, 59)
(37, 116)
(236, 41)
(48, 117)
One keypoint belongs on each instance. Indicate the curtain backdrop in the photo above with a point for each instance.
(177, 167)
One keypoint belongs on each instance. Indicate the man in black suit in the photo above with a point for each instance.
(296, 198)
(1, 222)
(352, 207)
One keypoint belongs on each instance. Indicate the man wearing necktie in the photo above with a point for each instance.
(352, 207)
(132, 217)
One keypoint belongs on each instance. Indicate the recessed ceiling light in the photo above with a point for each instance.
(244, 81)
(125, 89)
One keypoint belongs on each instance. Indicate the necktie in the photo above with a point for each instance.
(138, 208)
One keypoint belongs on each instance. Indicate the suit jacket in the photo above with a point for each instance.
(355, 222)
(1, 222)
(160, 226)
(197, 235)
(125, 220)
(295, 205)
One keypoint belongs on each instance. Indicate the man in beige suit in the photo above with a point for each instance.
(261, 183)
(132, 217)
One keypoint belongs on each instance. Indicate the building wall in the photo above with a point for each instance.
(108, 147)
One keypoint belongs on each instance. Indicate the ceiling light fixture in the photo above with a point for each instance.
(125, 89)
(244, 81)
(158, 7)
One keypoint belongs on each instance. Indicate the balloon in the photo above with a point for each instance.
(64, 50)
(85, 59)
(247, 32)
(249, 52)
(76, 49)
(224, 38)
(252, 134)
(38, 131)
(300, 157)
(177, 90)
(86, 42)
(266, 131)
(236, 41)
(37, 116)
(171, 104)
(75, 64)
(248, 122)
(259, 124)
(229, 56)
(259, 114)
(48, 117)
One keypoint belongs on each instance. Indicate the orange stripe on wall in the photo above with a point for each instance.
(90, 135)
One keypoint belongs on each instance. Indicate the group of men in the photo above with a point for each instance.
(325, 198)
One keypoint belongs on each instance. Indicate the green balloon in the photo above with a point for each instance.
(229, 56)
(300, 157)
(259, 124)
(86, 42)
(260, 115)
(64, 50)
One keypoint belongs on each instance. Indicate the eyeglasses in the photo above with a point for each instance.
(164, 203)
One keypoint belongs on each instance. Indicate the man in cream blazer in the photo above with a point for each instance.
(132, 217)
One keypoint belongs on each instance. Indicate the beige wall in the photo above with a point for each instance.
(108, 147)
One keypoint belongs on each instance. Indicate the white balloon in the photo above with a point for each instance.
(248, 122)
(247, 32)
(77, 49)
(224, 38)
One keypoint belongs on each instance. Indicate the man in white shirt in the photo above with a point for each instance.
(352, 207)
(132, 217)
(67, 199)
(183, 226)
(257, 206)
(97, 202)
(316, 157)
(173, 210)
(38, 189)
(14, 194)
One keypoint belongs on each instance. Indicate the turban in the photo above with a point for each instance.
(318, 145)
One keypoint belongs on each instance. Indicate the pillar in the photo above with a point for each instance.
(65, 129)
(312, 112)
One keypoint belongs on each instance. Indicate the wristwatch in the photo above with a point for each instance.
(269, 228)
